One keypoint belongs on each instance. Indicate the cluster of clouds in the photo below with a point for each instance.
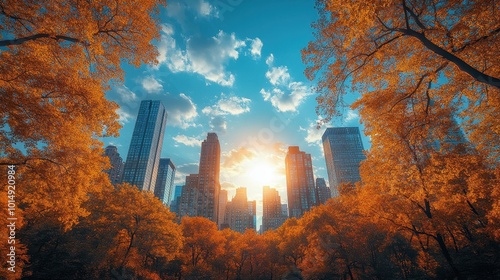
(206, 56)
(226, 105)
(285, 94)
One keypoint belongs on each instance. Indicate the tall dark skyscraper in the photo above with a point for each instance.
(141, 167)
(115, 172)
(165, 181)
(299, 182)
(200, 196)
(323, 191)
(343, 154)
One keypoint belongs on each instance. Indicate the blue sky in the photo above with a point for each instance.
(232, 67)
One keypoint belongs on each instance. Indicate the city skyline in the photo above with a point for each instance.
(221, 71)
(196, 199)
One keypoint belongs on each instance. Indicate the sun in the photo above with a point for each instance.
(262, 173)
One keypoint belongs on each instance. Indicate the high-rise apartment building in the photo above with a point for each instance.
(240, 213)
(200, 196)
(222, 206)
(272, 212)
(323, 191)
(209, 185)
(299, 182)
(141, 167)
(165, 181)
(343, 154)
(115, 172)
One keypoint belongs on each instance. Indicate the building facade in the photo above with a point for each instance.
(200, 196)
(323, 191)
(343, 154)
(141, 166)
(165, 181)
(223, 198)
(240, 213)
(301, 191)
(116, 170)
(272, 212)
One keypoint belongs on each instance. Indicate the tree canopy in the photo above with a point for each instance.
(426, 52)
(58, 59)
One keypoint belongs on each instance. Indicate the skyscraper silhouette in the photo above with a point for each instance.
(143, 157)
(343, 154)
(299, 182)
(272, 214)
(323, 191)
(115, 172)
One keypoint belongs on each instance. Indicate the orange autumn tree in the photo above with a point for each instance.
(426, 72)
(404, 49)
(202, 247)
(58, 59)
(128, 233)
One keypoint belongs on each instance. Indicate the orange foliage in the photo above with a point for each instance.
(58, 59)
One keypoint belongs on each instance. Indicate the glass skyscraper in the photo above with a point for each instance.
(343, 154)
(141, 166)
(165, 181)
(299, 182)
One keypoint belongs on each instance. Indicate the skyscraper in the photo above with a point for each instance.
(323, 191)
(343, 154)
(240, 213)
(299, 182)
(272, 213)
(174, 204)
(222, 206)
(165, 181)
(200, 196)
(209, 185)
(141, 167)
(115, 172)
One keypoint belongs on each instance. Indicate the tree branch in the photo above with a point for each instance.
(22, 40)
(461, 64)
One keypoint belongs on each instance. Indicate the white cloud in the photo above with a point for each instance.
(234, 105)
(207, 57)
(255, 47)
(151, 85)
(125, 94)
(175, 59)
(313, 133)
(265, 94)
(218, 124)
(286, 95)
(351, 115)
(227, 105)
(123, 116)
(181, 110)
(287, 99)
(204, 8)
(270, 60)
(186, 140)
(278, 75)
